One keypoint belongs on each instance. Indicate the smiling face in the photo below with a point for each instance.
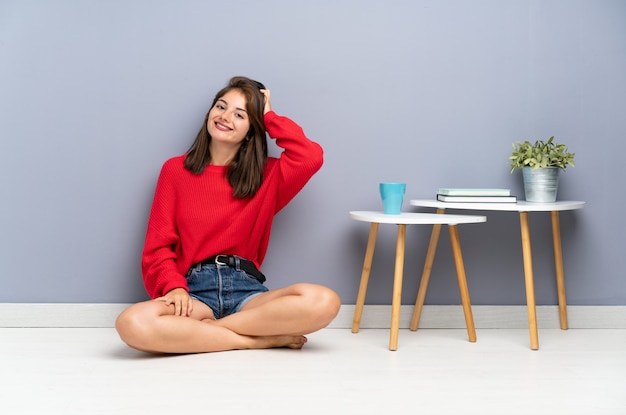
(228, 122)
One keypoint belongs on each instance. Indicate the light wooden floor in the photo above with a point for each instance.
(434, 371)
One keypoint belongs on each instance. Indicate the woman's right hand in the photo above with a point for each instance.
(180, 299)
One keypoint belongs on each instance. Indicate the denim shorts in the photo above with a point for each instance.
(224, 289)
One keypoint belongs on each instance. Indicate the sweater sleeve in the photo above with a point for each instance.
(160, 274)
(300, 160)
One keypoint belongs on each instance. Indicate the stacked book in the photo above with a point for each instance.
(472, 195)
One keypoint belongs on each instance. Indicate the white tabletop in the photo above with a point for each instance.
(414, 218)
(520, 206)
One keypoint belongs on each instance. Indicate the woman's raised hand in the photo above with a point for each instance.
(268, 102)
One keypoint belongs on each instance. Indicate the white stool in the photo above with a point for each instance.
(403, 219)
(523, 208)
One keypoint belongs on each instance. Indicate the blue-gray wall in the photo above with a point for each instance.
(95, 95)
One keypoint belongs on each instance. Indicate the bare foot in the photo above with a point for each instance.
(268, 342)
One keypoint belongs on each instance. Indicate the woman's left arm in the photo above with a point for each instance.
(301, 157)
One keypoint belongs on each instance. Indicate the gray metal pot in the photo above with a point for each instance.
(541, 184)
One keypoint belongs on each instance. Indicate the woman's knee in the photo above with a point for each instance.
(133, 323)
(125, 322)
(324, 302)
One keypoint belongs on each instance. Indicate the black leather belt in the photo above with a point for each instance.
(236, 262)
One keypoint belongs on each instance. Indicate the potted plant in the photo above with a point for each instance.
(540, 162)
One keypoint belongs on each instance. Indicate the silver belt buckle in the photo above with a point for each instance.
(218, 262)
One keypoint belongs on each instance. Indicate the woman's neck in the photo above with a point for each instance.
(222, 156)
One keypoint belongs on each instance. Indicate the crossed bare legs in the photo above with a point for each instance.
(277, 318)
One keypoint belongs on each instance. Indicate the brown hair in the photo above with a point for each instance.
(245, 172)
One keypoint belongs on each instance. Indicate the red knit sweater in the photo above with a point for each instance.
(194, 217)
